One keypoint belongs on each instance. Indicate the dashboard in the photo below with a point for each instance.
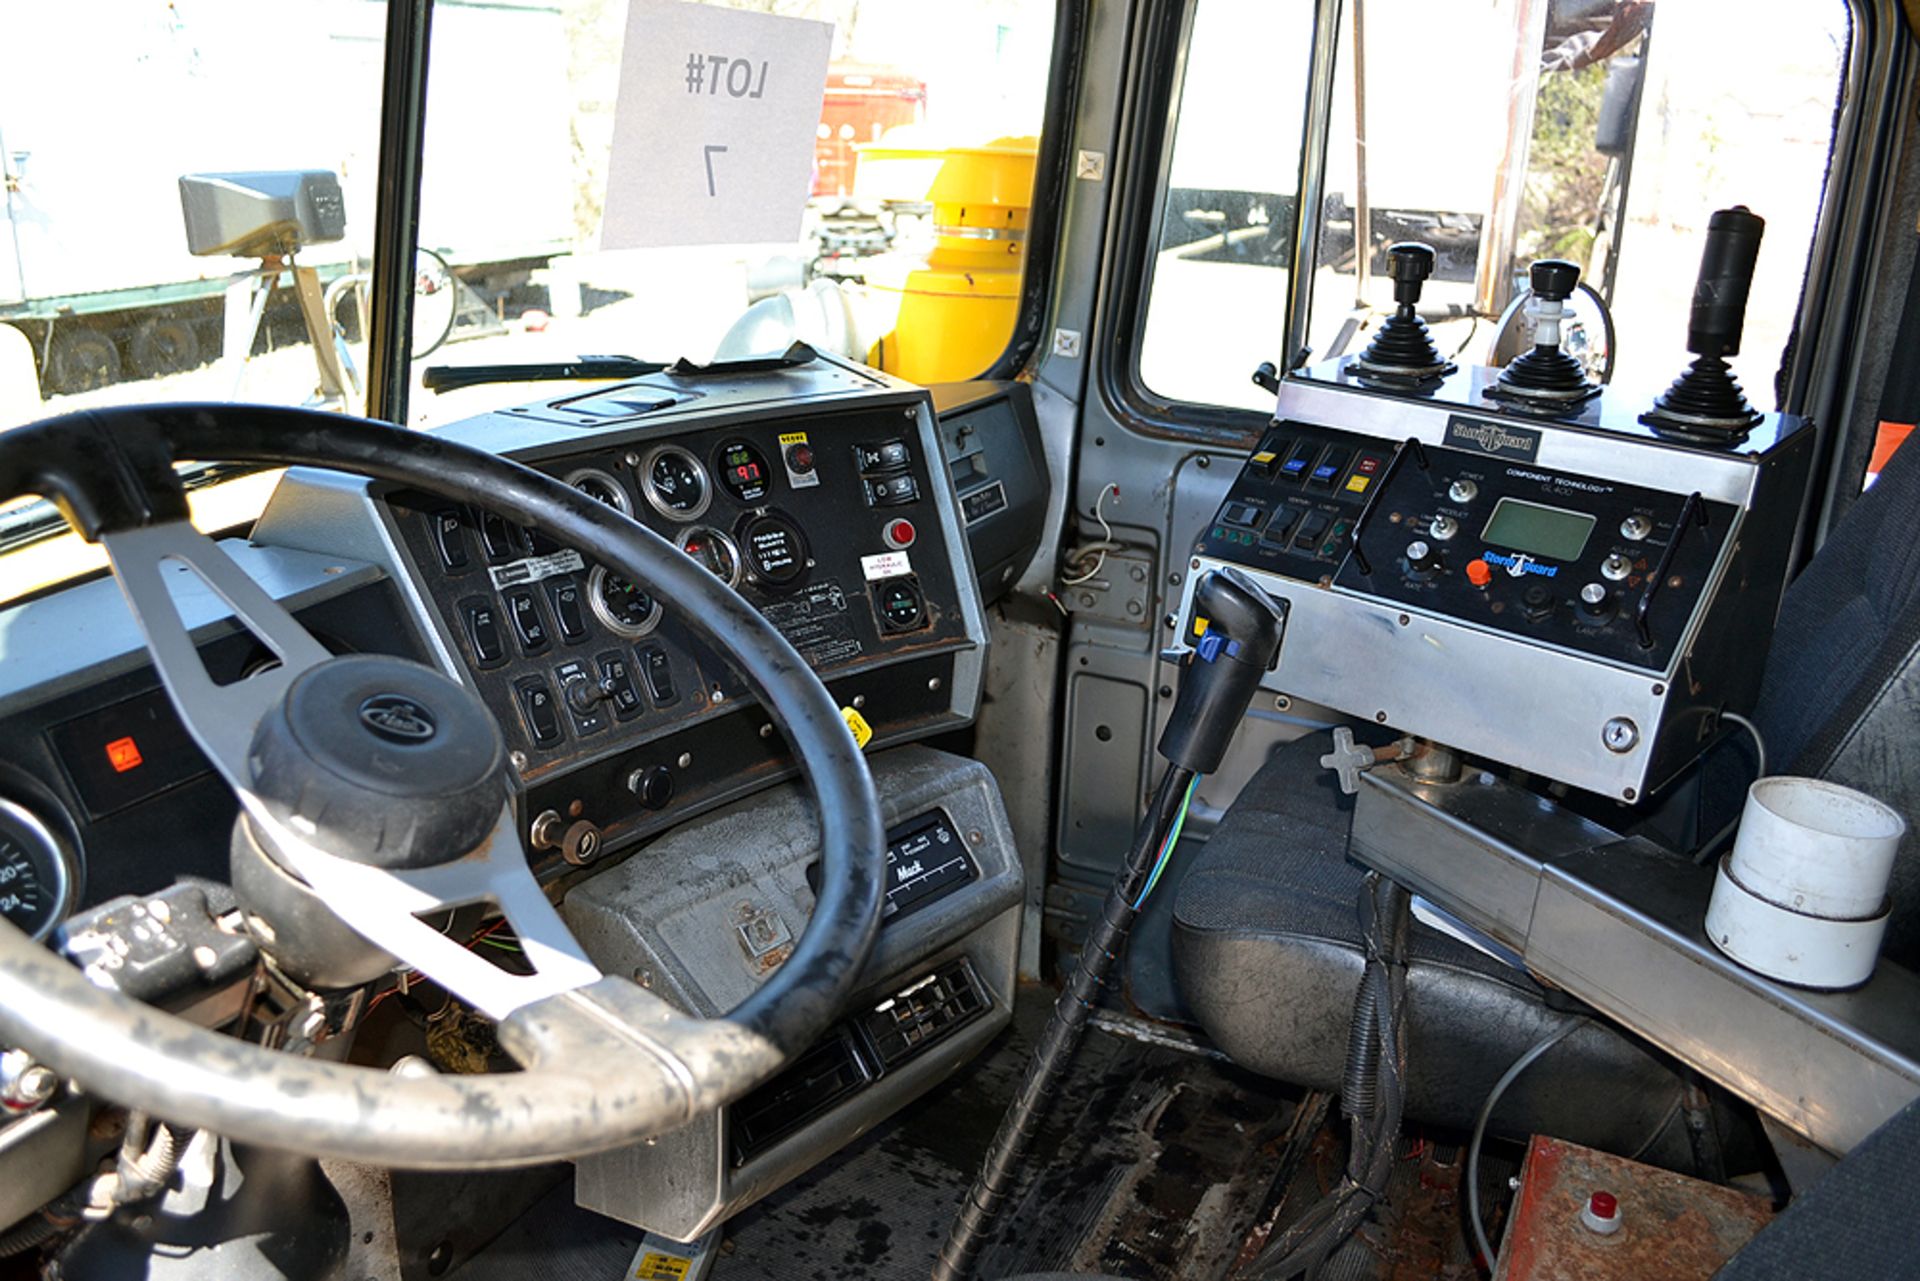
(823, 495)
(650, 788)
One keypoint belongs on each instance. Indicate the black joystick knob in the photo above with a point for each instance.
(1403, 351)
(1546, 379)
(1705, 404)
(1410, 263)
(1553, 279)
(1726, 275)
(1240, 645)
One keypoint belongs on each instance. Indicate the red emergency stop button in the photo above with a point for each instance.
(899, 534)
(1479, 573)
(1602, 1213)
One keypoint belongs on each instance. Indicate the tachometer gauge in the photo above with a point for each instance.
(719, 553)
(624, 608)
(36, 880)
(675, 483)
(602, 488)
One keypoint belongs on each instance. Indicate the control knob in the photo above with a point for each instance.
(1463, 491)
(1443, 528)
(1422, 559)
(1615, 567)
(1635, 527)
(1596, 602)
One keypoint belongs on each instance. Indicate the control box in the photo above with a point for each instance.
(1577, 596)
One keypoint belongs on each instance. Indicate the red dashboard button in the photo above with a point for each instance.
(899, 534)
(1479, 573)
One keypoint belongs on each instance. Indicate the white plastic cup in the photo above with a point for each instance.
(1803, 896)
(1816, 848)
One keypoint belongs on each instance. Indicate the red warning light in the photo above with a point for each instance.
(123, 754)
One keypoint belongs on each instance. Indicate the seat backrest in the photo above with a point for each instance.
(1841, 695)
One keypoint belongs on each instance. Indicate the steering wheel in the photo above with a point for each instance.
(310, 750)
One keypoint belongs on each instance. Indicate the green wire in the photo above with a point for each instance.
(1166, 850)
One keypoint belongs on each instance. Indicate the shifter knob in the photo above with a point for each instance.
(1553, 279)
(1726, 274)
(1410, 263)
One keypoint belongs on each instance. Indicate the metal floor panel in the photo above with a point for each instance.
(1154, 1164)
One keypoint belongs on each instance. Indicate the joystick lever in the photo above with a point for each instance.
(1546, 378)
(1705, 403)
(1403, 350)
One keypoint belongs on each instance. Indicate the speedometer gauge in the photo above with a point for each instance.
(675, 483)
(36, 884)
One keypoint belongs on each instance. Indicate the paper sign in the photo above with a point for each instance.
(714, 130)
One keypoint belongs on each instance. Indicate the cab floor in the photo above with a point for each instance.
(1156, 1162)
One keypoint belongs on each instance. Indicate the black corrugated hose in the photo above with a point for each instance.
(1373, 1095)
(1062, 1036)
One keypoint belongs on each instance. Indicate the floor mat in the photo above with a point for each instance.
(1155, 1163)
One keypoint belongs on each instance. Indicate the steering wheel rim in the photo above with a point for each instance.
(110, 472)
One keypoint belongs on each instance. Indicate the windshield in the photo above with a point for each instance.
(655, 180)
(718, 180)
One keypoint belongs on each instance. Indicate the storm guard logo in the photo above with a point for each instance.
(1521, 565)
(1498, 439)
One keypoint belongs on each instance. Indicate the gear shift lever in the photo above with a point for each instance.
(1240, 642)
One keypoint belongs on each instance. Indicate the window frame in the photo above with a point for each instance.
(1159, 76)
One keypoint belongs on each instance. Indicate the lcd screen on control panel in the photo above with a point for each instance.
(1537, 530)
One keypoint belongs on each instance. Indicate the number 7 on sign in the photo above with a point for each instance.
(712, 151)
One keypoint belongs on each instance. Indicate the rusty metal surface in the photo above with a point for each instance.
(1671, 1227)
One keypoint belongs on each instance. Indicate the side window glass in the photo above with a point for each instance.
(1604, 133)
(1217, 289)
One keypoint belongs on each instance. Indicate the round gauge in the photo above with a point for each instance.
(715, 550)
(775, 551)
(675, 483)
(36, 884)
(602, 488)
(624, 608)
(742, 471)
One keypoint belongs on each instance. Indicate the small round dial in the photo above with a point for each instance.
(626, 610)
(675, 483)
(35, 883)
(602, 488)
(775, 551)
(743, 472)
(714, 550)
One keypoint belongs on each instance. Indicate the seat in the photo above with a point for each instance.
(1266, 948)
(1266, 940)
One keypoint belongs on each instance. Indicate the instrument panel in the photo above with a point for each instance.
(833, 520)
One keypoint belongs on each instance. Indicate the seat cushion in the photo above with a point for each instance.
(1267, 953)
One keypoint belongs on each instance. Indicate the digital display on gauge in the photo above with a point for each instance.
(1551, 532)
(743, 471)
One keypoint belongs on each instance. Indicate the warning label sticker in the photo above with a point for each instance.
(815, 621)
(535, 568)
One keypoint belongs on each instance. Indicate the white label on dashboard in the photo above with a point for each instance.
(885, 565)
(535, 568)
